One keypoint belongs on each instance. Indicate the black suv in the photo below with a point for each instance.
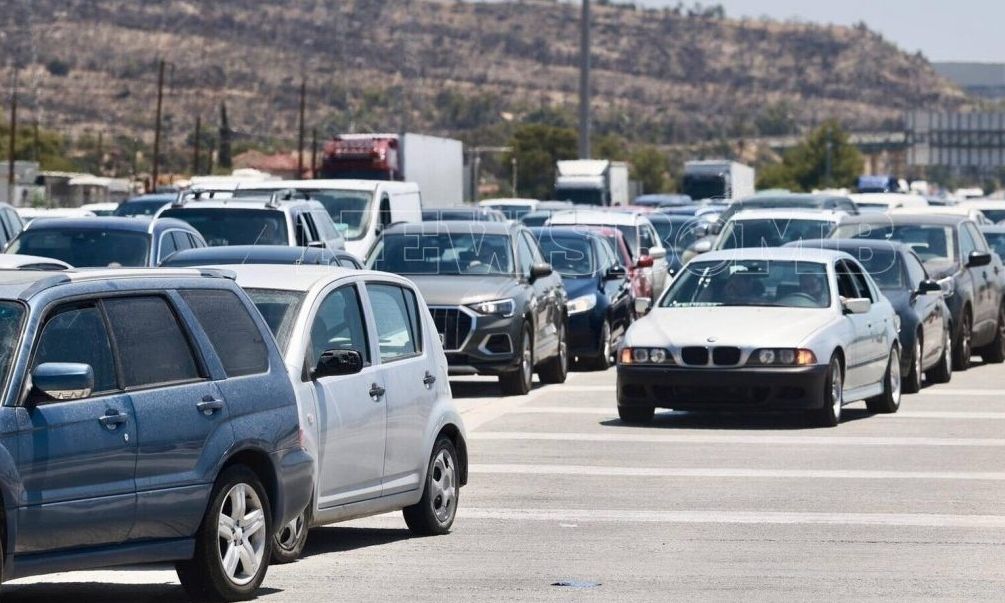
(956, 254)
(498, 306)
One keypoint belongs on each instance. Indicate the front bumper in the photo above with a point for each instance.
(295, 484)
(734, 389)
(490, 346)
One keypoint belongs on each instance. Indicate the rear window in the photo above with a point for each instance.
(233, 333)
(221, 227)
(151, 345)
(85, 247)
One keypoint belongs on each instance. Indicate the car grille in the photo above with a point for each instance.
(694, 356)
(699, 356)
(453, 325)
(726, 356)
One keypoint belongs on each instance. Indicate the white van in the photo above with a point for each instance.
(360, 208)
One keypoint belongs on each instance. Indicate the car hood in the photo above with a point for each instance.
(456, 290)
(578, 287)
(737, 326)
(939, 269)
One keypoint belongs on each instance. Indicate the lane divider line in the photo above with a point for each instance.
(716, 472)
(712, 438)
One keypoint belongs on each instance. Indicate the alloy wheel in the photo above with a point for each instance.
(894, 379)
(242, 534)
(837, 390)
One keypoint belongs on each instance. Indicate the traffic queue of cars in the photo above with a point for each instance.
(288, 364)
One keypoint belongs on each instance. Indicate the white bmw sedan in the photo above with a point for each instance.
(750, 329)
(376, 410)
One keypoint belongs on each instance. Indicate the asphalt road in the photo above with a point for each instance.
(906, 507)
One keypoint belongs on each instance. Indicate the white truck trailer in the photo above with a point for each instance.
(717, 179)
(592, 182)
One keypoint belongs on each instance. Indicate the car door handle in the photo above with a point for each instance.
(429, 380)
(113, 419)
(209, 405)
(376, 392)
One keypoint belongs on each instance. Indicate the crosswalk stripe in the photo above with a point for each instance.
(603, 471)
(904, 414)
(735, 517)
(711, 438)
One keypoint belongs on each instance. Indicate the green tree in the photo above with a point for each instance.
(536, 148)
(824, 160)
(650, 166)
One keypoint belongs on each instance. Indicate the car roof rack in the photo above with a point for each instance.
(197, 193)
(87, 275)
(287, 194)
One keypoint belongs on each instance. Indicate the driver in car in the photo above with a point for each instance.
(742, 290)
(814, 286)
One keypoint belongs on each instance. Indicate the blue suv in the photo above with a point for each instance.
(147, 416)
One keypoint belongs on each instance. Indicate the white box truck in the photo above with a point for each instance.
(717, 179)
(592, 182)
(435, 164)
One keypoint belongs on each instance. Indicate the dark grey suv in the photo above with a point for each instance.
(498, 306)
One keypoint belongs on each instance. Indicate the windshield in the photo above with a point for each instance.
(279, 309)
(85, 247)
(570, 257)
(456, 253)
(704, 187)
(785, 284)
(930, 242)
(221, 226)
(631, 234)
(11, 319)
(131, 209)
(580, 196)
(872, 208)
(771, 232)
(997, 242)
(676, 236)
(884, 266)
(995, 215)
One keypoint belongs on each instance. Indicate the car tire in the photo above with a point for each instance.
(435, 512)
(912, 382)
(829, 415)
(889, 401)
(962, 346)
(289, 541)
(994, 352)
(206, 575)
(556, 369)
(636, 414)
(942, 372)
(602, 361)
(518, 382)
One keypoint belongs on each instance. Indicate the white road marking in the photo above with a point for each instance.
(493, 408)
(736, 517)
(711, 438)
(984, 393)
(594, 470)
(904, 414)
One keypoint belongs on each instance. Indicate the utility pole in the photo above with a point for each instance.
(13, 141)
(300, 133)
(513, 164)
(157, 128)
(314, 153)
(101, 153)
(584, 82)
(35, 151)
(197, 142)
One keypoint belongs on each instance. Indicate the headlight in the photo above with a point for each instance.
(651, 356)
(499, 307)
(782, 357)
(581, 304)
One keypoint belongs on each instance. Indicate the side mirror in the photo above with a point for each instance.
(857, 305)
(657, 253)
(715, 228)
(334, 363)
(616, 273)
(929, 287)
(642, 305)
(62, 380)
(978, 259)
(702, 246)
(702, 230)
(540, 271)
(645, 261)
